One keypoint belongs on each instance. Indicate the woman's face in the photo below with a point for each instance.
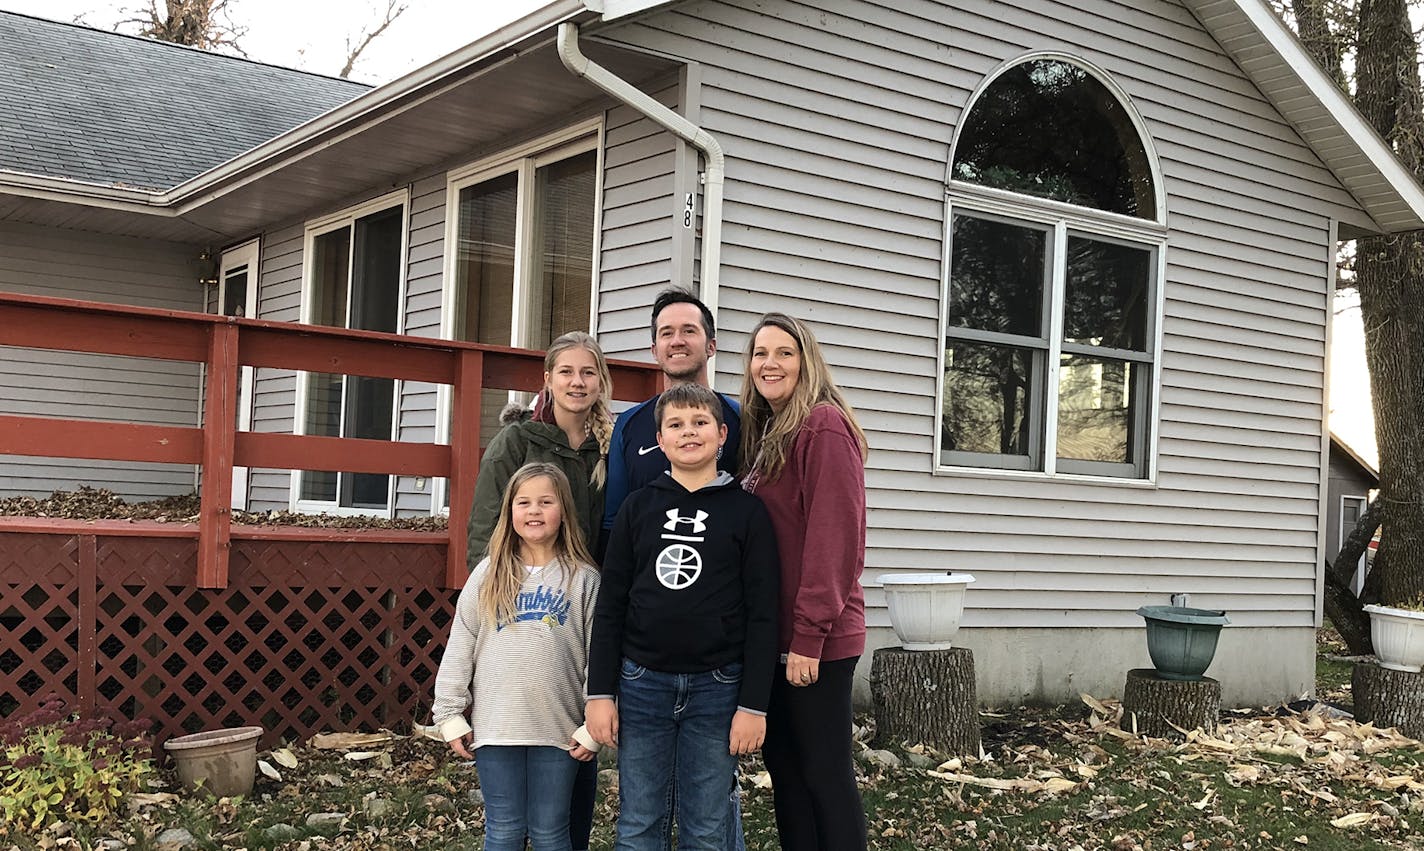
(574, 382)
(776, 366)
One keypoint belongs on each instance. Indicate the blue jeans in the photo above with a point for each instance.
(527, 791)
(674, 735)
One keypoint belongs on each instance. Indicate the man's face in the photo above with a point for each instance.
(680, 344)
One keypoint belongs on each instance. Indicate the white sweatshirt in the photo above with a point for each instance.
(523, 682)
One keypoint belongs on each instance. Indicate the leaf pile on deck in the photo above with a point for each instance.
(88, 503)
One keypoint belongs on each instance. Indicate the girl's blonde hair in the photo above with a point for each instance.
(767, 436)
(506, 568)
(600, 418)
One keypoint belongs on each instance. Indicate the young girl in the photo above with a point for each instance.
(516, 662)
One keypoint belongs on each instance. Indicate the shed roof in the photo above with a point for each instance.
(88, 105)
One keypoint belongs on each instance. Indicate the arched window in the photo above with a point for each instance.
(1051, 289)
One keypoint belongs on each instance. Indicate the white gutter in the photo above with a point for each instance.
(685, 130)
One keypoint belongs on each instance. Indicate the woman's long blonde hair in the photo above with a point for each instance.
(506, 571)
(600, 418)
(767, 436)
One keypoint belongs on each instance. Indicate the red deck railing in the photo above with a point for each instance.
(225, 344)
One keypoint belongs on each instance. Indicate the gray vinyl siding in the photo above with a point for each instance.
(641, 220)
(424, 275)
(837, 120)
(279, 298)
(46, 261)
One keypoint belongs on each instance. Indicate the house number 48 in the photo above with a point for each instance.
(687, 208)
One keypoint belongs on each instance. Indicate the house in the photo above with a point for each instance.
(1351, 482)
(1070, 262)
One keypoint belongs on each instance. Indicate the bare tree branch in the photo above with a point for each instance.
(204, 24)
(394, 8)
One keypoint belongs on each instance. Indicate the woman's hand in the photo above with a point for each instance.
(802, 670)
(579, 752)
(461, 745)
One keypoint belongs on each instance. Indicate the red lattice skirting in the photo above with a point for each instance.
(318, 629)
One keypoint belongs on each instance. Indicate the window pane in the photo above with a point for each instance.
(235, 292)
(330, 277)
(375, 285)
(1106, 300)
(1048, 128)
(324, 420)
(1097, 409)
(368, 414)
(987, 393)
(484, 266)
(562, 277)
(997, 275)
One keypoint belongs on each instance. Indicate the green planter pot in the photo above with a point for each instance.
(1181, 640)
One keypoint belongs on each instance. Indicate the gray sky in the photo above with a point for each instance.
(312, 34)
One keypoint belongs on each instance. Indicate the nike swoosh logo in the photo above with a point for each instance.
(644, 450)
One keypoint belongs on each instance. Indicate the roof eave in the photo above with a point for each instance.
(1386, 191)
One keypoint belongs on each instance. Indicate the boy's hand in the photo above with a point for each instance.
(748, 732)
(461, 745)
(601, 718)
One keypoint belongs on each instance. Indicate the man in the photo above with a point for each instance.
(684, 338)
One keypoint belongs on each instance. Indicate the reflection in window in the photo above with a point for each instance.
(998, 281)
(1050, 129)
(1017, 394)
(1096, 409)
(987, 393)
(356, 271)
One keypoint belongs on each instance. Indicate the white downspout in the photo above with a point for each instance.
(621, 89)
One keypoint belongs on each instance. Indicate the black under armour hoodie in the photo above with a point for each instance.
(690, 583)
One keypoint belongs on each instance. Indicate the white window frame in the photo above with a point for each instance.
(315, 228)
(1061, 220)
(523, 160)
(247, 254)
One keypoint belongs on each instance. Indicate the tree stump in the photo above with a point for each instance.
(1151, 704)
(1388, 698)
(926, 697)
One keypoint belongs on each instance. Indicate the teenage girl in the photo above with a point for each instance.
(516, 663)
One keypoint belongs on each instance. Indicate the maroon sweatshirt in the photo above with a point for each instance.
(817, 507)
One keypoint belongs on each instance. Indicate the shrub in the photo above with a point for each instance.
(57, 766)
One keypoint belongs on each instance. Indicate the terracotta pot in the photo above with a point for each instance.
(221, 762)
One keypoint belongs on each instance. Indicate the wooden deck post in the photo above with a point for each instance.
(219, 438)
(464, 459)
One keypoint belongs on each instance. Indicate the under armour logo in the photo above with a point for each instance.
(674, 519)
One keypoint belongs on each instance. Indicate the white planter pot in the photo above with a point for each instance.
(1398, 636)
(925, 608)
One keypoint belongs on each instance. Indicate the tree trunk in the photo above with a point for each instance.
(1389, 698)
(1391, 280)
(926, 697)
(1313, 26)
(1156, 707)
(1345, 610)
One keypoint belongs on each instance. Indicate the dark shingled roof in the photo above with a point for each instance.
(89, 105)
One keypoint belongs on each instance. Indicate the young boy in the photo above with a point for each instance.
(684, 635)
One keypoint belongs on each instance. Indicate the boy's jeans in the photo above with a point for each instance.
(674, 729)
(527, 791)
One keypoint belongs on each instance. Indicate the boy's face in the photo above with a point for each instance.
(690, 437)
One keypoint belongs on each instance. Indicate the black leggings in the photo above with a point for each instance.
(581, 807)
(808, 752)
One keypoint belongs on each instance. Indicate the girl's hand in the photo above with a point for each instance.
(748, 732)
(579, 752)
(461, 745)
(601, 718)
(802, 670)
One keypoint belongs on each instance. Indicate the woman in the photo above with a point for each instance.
(804, 454)
(569, 427)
